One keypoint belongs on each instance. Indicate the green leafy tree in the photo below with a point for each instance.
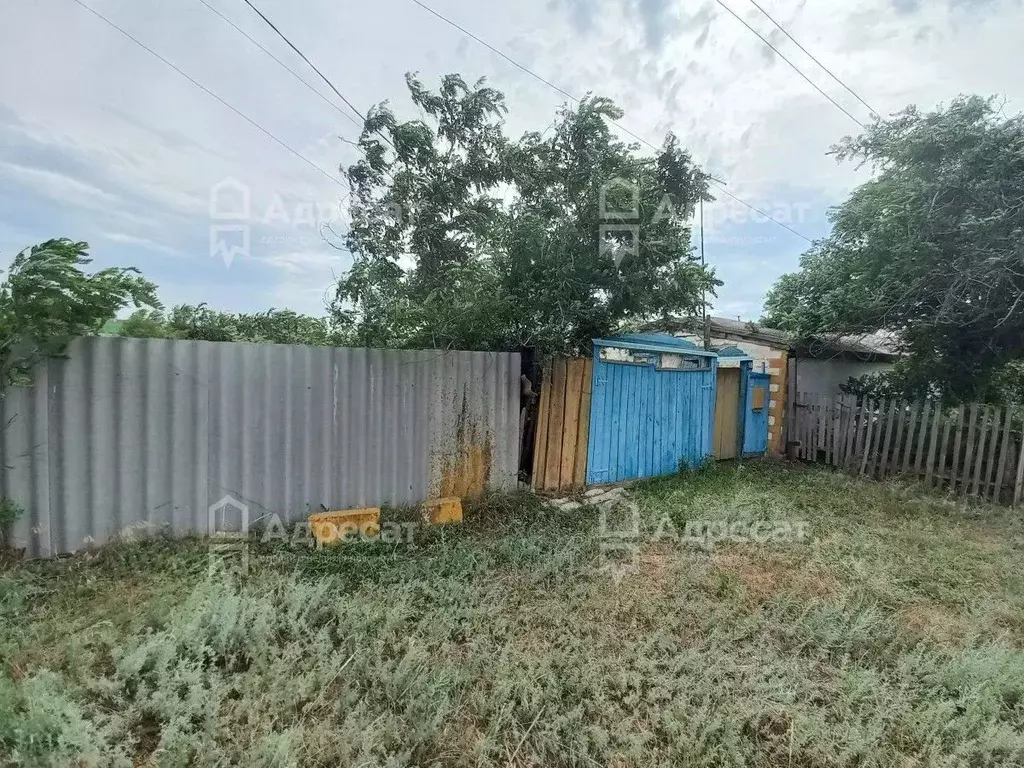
(47, 299)
(932, 247)
(465, 238)
(145, 324)
(199, 322)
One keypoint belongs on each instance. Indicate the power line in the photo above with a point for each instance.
(572, 98)
(796, 69)
(811, 56)
(503, 55)
(208, 92)
(525, 69)
(323, 77)
(284, 66)
(757, 210)
(298, 77)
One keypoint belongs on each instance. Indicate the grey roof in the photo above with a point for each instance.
(654, 342)
(878, 345)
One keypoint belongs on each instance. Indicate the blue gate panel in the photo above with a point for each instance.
(645, 420)
(755, 422)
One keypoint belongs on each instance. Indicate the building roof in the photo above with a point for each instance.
(880, 345)
(733, 352)
(654, 342)
(723, 327)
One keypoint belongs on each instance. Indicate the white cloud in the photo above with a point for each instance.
(59, 187)
(142, 242)
(148, 144)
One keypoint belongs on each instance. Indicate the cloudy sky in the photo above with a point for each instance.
(101, 141)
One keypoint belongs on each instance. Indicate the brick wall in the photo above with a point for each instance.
(774, 362)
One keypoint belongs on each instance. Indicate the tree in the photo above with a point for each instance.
(47, 300)
(273, 326)
(146, 324)
(465, 238)
(932, 248)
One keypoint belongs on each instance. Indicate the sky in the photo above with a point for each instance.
(103, 142)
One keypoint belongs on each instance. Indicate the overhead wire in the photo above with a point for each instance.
(795, 68)
(301, 79)
(813, 58)
(284, 66)
(305, 58)
(718, 183)
(208, 92)
(348, 103)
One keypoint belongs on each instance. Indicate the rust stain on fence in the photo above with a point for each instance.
(466, 466)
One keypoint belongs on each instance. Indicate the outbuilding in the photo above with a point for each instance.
(819, 364)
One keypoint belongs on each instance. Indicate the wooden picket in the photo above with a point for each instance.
(956, 449)
(883, 461)
(974, 450)
(563, 425)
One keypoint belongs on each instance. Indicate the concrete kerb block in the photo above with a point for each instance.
(335, 527)
(443, 511)
(593, 497)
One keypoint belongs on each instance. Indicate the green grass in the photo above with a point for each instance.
(891, 635)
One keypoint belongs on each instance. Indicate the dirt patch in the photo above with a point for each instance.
(934, 622)
(659, 569)
(764, 576)
(772, 736)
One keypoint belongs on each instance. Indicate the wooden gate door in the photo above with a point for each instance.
(727, 411)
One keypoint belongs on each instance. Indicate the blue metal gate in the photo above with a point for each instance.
(755, 414)
(652, 407)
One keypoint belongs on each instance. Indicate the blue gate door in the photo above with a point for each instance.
(755, 414)
(647, 419)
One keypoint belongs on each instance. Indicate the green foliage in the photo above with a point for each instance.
(47, 300)
(931, 248)
(10, 511)
(875, 386)
(505, 236)
(274, 326)
(893, 637)
(145, 324)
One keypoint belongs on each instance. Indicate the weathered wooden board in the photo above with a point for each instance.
(583, 434)
(540, 444)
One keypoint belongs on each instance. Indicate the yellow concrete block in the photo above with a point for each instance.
(443, 511)
(336, 526)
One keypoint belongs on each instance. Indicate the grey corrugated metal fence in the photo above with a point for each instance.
(128, 434)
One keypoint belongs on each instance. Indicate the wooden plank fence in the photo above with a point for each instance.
(973, 450)
(563, 425)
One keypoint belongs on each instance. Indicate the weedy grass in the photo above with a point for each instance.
(891, 634)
